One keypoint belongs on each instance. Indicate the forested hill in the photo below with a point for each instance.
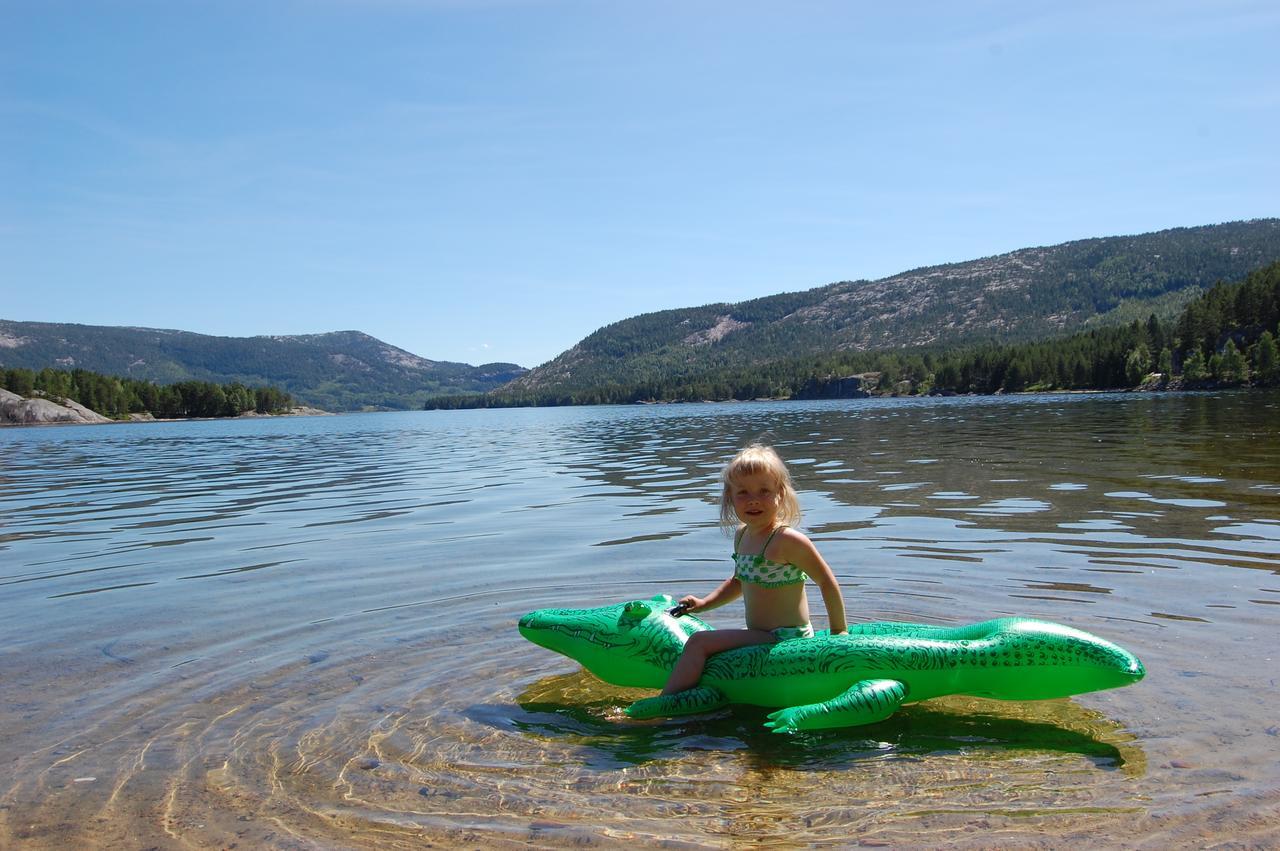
(340, 371)
(1030, 294)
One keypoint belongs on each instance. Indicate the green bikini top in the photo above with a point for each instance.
(759, 570)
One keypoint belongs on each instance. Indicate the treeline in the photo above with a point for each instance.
(119, 397)
(1225, 337)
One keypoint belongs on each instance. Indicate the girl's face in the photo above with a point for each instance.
(756, 498)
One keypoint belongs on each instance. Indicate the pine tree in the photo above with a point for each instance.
(1231, 368)
(1195, 368)
(1266, 359)
(1015, 379)
(1137, 364)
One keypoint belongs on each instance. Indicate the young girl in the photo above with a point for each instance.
(771, 561)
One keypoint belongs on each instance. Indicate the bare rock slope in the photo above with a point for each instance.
(16, 410)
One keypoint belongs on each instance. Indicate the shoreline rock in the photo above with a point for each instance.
(296, 411)
(16, 410)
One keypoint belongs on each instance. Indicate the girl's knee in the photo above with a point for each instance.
(697, 644)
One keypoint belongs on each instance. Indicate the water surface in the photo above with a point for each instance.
(300, 633)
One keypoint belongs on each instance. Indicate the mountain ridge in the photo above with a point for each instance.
(1016, 296)
(335, 370)
(1026, 294)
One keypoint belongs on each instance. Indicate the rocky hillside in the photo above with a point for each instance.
(1028, 294)
(340, 371)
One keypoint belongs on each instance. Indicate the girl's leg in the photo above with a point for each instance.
(688, 669)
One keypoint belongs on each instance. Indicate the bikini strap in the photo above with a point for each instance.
(770, 540)
(738, 539)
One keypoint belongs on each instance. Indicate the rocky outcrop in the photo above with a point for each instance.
(846, 387)
(15, 410)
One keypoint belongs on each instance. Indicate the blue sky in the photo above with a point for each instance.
(493, 180)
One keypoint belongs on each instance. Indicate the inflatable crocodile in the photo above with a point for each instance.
(833, 680)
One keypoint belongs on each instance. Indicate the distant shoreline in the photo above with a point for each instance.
(1153, 384)
(19, 411)
(307, 412)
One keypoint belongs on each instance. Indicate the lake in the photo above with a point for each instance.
(301, 632)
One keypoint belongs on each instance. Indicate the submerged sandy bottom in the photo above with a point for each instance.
(323, 752)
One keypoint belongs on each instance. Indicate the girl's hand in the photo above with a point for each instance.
(687, 604)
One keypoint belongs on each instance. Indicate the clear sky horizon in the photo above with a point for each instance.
(492, 180)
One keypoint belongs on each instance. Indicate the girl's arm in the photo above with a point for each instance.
(800, 551)
(729, 590)
(834, 601)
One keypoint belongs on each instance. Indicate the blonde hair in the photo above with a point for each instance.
(758, 458)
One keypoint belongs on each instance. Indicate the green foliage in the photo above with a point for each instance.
(119, 397)
(1229, 366)
(1245, 309)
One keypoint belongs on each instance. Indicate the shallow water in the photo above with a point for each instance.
(300, 633)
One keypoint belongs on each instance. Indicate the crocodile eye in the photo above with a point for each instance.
(637, 610)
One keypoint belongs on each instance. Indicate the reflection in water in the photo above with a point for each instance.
(575, 708)
(301, 633)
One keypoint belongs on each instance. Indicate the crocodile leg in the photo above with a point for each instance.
(866, 702)
(688, 702)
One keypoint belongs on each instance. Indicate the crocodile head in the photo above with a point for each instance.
(627, 644)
